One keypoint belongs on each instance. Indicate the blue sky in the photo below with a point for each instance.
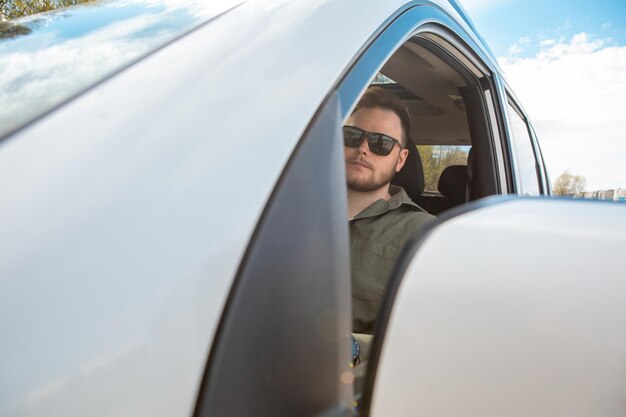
(70, 49)
(504, 23)
(566, 62)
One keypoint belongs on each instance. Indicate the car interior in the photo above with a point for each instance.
(451, 161)
(446, 102)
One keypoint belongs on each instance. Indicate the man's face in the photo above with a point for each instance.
(365, 171)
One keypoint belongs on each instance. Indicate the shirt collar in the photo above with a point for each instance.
(378, 207)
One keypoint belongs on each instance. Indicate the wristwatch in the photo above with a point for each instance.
(356, 351)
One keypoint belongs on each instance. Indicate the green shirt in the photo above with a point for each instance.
(377, 235)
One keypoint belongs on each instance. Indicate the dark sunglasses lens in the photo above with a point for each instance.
(381, 144)
(352, 137)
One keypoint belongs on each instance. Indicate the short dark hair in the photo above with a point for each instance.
(377, 97)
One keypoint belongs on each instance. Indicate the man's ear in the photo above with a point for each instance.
(401, 159)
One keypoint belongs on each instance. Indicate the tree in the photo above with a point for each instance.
(436, 158)
(569, 185)
(13, 9)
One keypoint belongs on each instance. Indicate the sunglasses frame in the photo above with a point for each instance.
(372, 139)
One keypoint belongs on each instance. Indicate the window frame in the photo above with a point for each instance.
(414, 21)
(511, 102)
(546, 187)
(429, 21)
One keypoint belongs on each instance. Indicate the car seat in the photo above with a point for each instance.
(411, 176)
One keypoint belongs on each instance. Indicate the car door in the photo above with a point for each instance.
(489, 242)
(291, 351)
(513, 307)
(282, 347)
(146, 237)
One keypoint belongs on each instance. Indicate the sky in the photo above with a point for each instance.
(566, 63)
(40, 69)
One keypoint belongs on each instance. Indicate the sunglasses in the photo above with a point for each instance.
(378, 143)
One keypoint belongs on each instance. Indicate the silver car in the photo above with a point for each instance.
(174, 238)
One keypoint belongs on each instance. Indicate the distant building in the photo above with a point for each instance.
(613, 195)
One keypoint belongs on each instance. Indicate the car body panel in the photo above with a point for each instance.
(127, 210)
(530, 324)
(129, 216)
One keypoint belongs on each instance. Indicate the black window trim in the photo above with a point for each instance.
(287, 368)
(490, 88)
(478, 115)
(513, 103)
(545, 177)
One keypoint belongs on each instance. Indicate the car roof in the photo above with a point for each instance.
(63, 52)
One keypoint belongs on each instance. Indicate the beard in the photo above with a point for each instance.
(371, 183)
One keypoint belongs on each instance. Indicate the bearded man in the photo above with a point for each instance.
(382, 217)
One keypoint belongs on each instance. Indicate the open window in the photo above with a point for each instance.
(453, 160)
(449, 121)
(456, 154)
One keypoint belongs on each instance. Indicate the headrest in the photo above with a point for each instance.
(470, 163)
(453, 181)
(411, 176)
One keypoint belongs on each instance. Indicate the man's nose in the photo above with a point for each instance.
(364, 146)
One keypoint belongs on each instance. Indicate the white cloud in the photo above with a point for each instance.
(46, 390)
(547, 42)
(580, 44)
(107, 358)
(198, 8)
(606, 26)
(515, 50)
(35, 78)
(518, 47)
(574, 93)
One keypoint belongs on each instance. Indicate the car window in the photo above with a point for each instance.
(526, 163)
(46, 58)
(443, 86)
(449, 114)
(435, 159)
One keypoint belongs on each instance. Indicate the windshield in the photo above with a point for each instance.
(46, 58)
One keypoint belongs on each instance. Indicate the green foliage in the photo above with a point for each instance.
(568, 185)
(10, 30)
(436, 158)
(13, 9)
